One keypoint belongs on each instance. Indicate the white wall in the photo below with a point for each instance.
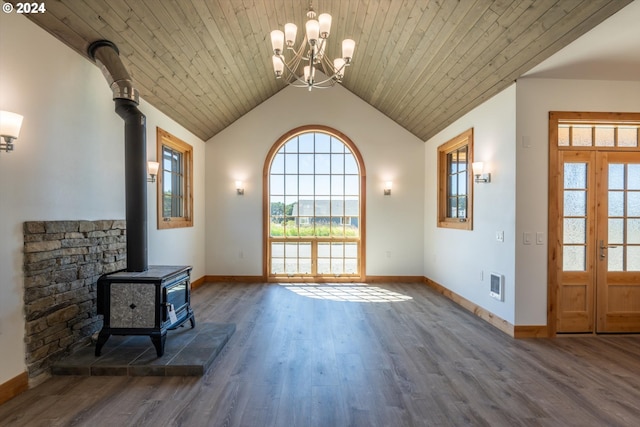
(68, 163)
(535, 98)
(463, 260)
(394, 223)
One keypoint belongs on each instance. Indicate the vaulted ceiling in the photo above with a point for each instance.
(423, 63)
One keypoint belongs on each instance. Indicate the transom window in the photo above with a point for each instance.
(581, 133)
(315, 210)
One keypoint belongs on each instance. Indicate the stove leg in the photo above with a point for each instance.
(192, 318)
(102, 338)
(158, 341)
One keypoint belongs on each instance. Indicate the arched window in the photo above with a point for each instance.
(314, 207)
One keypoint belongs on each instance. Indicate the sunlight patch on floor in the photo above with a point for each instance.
(351, 292)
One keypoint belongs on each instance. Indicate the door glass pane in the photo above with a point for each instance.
(616, 203)
(575, 230)
(575, 203)
(614, 256)
(633, 204)
(575, 175)
(633, 178)
(633, 231)
(616, 176)
(633, 258)
(616, 231)
(573, 258)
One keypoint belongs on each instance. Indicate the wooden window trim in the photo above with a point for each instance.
(465, 138)
(164, 138)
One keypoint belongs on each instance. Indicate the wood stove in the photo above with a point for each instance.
(144, 303)
(142, 300)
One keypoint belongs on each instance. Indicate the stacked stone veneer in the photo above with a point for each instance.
(62, 263)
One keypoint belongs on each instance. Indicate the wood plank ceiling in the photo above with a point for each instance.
(423, 63)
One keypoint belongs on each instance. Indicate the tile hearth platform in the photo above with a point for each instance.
(188, 352)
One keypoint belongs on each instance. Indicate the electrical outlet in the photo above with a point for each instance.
(499, 236)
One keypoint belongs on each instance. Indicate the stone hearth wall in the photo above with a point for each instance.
(62, 263)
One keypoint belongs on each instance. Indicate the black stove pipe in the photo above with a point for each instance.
(126, 99)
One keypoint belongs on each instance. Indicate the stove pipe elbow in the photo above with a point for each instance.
(107, 57)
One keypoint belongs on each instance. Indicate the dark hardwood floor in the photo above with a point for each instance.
(308, 355)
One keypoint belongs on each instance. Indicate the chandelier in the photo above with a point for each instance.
(311, 52)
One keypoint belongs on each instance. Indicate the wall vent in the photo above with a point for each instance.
(497, 286)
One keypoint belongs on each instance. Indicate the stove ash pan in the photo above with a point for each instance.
(144, 303)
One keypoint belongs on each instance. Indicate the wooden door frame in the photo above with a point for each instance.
(553, 195)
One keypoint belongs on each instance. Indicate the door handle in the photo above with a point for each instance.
(603, 247)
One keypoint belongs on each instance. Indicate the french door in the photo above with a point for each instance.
(595, 224)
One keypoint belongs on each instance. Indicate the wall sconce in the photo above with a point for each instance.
(239, 188)
(387, 188)
(10, 124)
(152, 169)
(478, 169)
